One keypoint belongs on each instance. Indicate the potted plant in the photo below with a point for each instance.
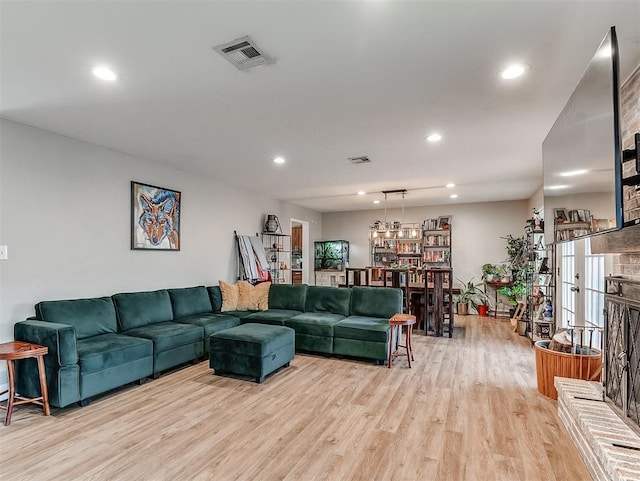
(488, 272)
(469, 294)
(502, 273)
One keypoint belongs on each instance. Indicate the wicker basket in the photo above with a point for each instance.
(585, 365)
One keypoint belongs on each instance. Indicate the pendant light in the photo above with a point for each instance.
(401, 233)
(388, 234)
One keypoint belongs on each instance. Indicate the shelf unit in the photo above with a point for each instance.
(396, 245)
(570, 230)
(436, 245)
(278, 250)
(540, 287)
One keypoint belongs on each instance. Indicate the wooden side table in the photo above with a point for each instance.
(403, 322)
(11, 351)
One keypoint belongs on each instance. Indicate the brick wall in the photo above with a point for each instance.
(628, 264)
(630, 124)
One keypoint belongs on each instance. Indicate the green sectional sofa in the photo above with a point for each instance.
(98, 344)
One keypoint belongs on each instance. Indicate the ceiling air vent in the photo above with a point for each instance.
(363, 159)
(244, 53)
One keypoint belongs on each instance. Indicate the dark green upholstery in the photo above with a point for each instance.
(253, 350)
(137, 309)
(287, 297)
(314, 323)
(328, 299)
(275, 317)
(362, 337)
(375, 301)
(59, 338)
(215, 297)
(239, 314)
(211, 323)
(253, 339)
(167, 335)
(107, 351)
(189, 301)
(364, 328)
(89, 317)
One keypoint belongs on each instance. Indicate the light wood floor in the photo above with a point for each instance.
(468, 410)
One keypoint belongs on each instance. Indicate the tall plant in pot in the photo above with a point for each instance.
(470, 293)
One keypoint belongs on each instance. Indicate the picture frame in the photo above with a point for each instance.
(155, 217)
(560, 215)
(444, 222)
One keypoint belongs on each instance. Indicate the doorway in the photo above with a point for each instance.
(300, 251)
(581, 292)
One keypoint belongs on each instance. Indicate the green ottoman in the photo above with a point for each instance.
(253, 350)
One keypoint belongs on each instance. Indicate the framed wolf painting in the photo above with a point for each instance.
(155, 217)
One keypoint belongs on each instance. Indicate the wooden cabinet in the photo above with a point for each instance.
(296, 277)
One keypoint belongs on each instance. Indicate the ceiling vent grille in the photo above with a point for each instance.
(363, 159)
(244, 53)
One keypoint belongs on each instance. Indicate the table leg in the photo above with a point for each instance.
(407, 344)
(390, 345)
(12, 392)
(43, 386)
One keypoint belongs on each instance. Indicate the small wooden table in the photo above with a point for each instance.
(11, 351)
(406, 322)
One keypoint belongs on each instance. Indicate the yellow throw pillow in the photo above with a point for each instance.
(229, 296)
(253, 298)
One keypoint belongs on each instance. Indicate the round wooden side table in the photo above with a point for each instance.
(12, 351)
(402, 322)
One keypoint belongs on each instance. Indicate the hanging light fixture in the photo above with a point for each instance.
(401, 232)
(388, 234)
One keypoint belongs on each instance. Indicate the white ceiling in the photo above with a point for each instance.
(351, 78)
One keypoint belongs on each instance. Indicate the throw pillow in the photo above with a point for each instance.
(253, 298)
(229, 296)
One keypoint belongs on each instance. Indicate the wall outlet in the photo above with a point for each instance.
(4, 254)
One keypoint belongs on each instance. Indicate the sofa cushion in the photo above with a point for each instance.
(288, 297)
(167, 335)
(105, 351)
(252, 339)
(230, 296)
(137, 309)
(215, 296)
(328, 299)
(189, 301)
(362, 328)
(210, 323)
(272, 316)
(253, 298)
(314, 323)
(375, 301)
(239, 314)
(89, 317)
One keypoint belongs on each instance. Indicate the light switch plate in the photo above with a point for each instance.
(4, 254)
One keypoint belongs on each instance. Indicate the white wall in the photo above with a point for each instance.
(476, 231)
(65, 216)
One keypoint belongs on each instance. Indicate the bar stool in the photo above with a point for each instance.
(402, 322)
(12, 351)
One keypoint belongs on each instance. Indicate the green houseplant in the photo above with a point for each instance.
(470, 293)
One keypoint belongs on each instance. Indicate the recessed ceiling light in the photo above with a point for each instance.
(514, 71)
(556, 187)
(376, 201)
(361, 192)
(278, 160)
(435, 137)
(105, 73)
(450, 186)
(454, 196)
(574, 172)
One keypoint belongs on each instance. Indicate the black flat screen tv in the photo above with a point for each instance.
(581, 155)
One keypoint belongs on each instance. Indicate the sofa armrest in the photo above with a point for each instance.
(59, 338)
